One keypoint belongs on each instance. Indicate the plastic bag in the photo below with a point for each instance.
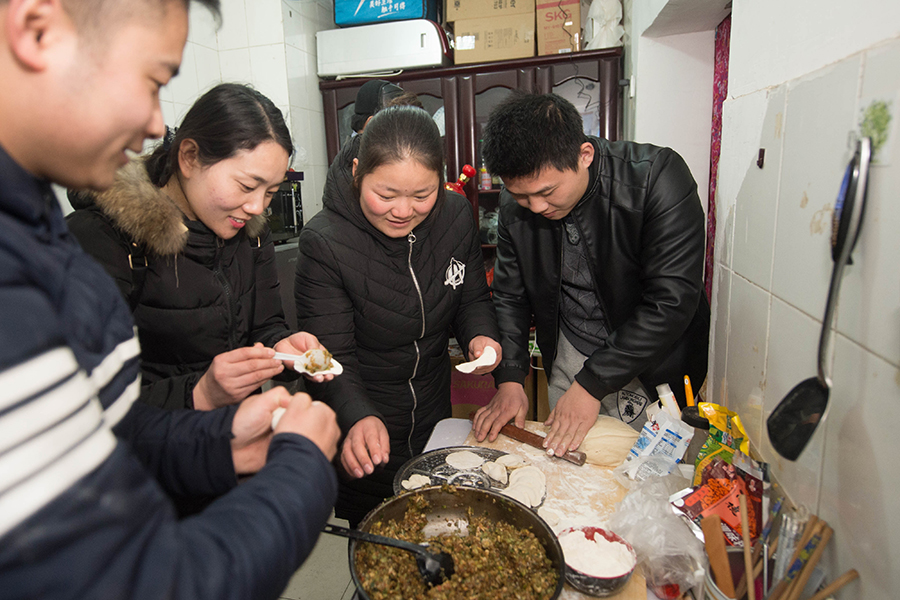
(602, 28)
(672, 559)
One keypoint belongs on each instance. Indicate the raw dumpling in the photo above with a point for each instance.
(415, 481)
(464, 460)
(527, 485)
(512, 461)
(495, 471)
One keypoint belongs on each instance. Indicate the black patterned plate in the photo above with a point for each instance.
(434, 465)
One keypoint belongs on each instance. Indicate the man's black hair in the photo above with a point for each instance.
(372, 96)
(528, 132)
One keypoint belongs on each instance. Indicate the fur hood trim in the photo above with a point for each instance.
(147, 215)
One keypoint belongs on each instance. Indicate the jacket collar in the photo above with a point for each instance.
(28, 198)
(150, 218)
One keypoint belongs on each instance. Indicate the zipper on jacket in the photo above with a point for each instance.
(411, 238)
(229, 301)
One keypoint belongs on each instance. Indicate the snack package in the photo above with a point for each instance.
(726, 434)
(718, 494)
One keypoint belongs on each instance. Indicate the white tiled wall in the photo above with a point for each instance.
(301, 22)
(801, 75)
(271, 45)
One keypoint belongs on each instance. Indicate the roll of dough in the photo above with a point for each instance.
(608, 441)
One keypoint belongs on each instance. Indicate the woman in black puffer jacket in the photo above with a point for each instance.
(386, 270)
(182, 234)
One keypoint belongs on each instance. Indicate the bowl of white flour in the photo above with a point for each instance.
(598, 562)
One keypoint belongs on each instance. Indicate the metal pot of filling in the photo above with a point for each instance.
(500, 548)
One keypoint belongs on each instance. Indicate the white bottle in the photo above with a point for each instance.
(670, 404)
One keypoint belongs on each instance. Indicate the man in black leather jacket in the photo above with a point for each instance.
(601, 244)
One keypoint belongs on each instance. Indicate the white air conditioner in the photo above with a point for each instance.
(380, 47)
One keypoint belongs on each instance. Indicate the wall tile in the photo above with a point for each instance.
(881, 83)
(202, 27)
(313, 95)
(746, 368)
(861, 483)
(235, 65)
(791, 358)
(300, 133)
(719, 329)
(286, 113)
(233, 33)
(183, 87)
(325, 17)
(757, 199)
(819, 118)
(869, 307)
(269, 73)
(264, 22)
(297, 79)
(208, 71)
(318, 155)
(742, 120)
(294, 25)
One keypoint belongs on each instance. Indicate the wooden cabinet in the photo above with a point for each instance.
(466, 94)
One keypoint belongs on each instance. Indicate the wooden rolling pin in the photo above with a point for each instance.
(534, 440)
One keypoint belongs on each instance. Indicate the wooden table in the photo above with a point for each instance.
(584, 495)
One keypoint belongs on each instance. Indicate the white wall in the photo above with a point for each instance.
(673, 84)
(801, 74)
(673, 98)
(269, 44)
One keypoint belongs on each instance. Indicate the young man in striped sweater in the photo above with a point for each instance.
(83, 470)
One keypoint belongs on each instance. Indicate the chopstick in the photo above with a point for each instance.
(808, 544)
(758, 548)
(757, 568)
(748, 559)
(806, 571)
(836, 585)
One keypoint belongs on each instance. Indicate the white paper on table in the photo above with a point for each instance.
(487, 358)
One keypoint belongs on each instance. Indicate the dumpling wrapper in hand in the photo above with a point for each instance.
(276, 416)
(486, 359)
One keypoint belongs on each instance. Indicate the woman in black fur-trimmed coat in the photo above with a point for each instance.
(386, 270)
(183, 235)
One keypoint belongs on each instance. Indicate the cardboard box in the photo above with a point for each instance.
(496, 38)
(558, 27)
(481, 9)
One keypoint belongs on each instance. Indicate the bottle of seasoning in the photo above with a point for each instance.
(484, 178)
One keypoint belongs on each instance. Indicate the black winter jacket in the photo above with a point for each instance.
(83, 469)
(385, 307)
(198, 295)
(643, 227)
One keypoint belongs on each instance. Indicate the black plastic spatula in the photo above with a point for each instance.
(794, 420)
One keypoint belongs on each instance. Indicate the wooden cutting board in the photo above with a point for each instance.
(585, 495)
